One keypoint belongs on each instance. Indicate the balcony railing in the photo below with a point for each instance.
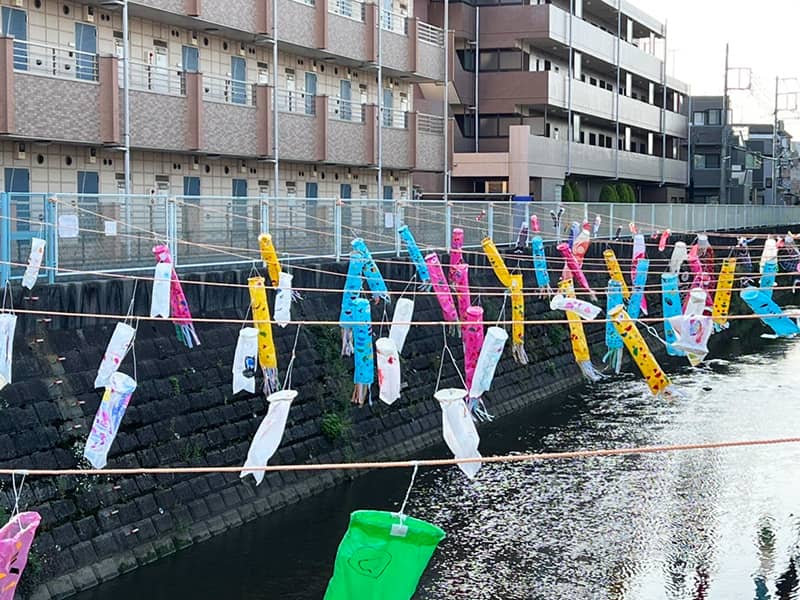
(395, 119)
(430, 34)
(55, 61)
(228, 91)
(430, 124)
(392, 21)
(346, 110)
(298, 102)
(352, 9)
(153, 78)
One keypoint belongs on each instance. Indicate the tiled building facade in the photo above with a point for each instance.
(201, 97)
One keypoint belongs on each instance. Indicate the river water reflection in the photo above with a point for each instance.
(722, 524)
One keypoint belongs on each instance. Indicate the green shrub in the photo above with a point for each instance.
(566, 193)
(576, 192)
(608, 194)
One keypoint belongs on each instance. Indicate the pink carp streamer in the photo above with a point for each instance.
(702, 280)
(181, 315)
(639, 252)
(16, 538)
(662, 242)
(459, 277)
(459, 272)
(472, 334)
(442, 290)
(575, 268)
(456, 250)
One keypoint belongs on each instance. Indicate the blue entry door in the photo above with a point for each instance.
(190, 59)
(18, 185)
(15, 24)
(239, 193)
(238, 80)
(86, 52)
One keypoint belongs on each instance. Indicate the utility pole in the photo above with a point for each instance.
(723, 168)
(775, 149)
(446, 99)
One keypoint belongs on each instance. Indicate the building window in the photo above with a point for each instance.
(489, 60)
(592, 139)
(487, 127)
(592, 81)
(510, 60)
(712, 161)
(698, 118)
(714, 117)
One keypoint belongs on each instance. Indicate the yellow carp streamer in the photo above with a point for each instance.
(612, 264)
(722, 297)
(655, 377)
(518, 321)
(267, 357)
(270, 258)
(497, 262)
(580, 346)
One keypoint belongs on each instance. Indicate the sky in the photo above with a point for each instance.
(762, 37)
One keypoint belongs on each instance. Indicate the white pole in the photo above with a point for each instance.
(275, 145)
(126, 99)
(447, 98)
(380, 101)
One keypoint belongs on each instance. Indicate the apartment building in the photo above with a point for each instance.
(202, 99)
(553, 90)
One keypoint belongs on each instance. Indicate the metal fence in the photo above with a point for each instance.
(89, 233)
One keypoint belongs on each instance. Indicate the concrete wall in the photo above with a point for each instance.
(297, 23)
(347, 37)
(347, 142)
(395, 148)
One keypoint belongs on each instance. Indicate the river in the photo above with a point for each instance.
(699, 525)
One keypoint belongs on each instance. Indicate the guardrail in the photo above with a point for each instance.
(298, 102)
(430, 124)
(54, 61)
(228, 91)
(430, 34)
(352, 9)
(345, 110)
(95, 233)
(152, 78)
(395, 22)
(395, 119)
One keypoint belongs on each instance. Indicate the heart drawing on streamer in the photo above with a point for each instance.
(369, 561)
